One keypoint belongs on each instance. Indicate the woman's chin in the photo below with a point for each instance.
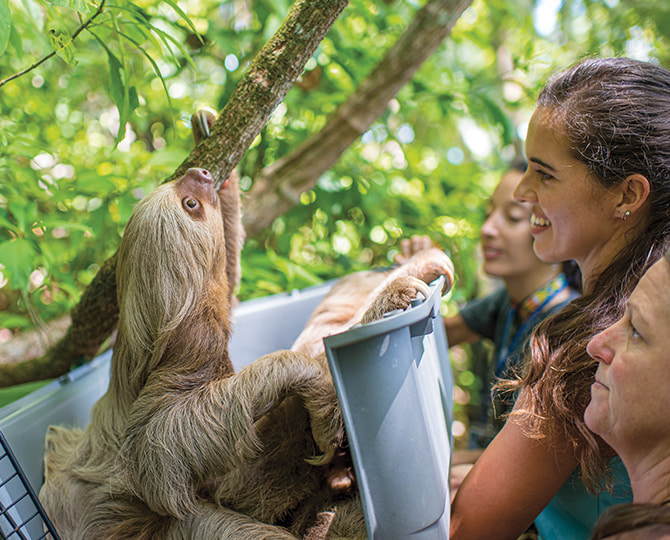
(546, 253)
(592, 416)
(494, 269)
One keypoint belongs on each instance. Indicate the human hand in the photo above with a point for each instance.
(412, 246)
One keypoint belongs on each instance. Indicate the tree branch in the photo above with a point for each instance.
(264, 86)
(74, 36)
(277, 188)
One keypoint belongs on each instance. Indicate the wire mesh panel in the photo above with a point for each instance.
(21, 514)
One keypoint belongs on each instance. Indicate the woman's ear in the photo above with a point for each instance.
(635, 191)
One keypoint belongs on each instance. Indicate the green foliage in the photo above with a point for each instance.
(86, 133)
(5, 26)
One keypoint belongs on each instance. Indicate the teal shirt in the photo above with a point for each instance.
(572, 513)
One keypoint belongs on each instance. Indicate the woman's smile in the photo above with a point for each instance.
(538, 221)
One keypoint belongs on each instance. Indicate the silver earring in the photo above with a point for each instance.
(625, 215)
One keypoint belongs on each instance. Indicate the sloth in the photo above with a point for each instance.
(181, 446)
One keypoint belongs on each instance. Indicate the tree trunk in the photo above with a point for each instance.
(92, 321)
(278, 186)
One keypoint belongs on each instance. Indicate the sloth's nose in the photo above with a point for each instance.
(198, 182)
(201, 175)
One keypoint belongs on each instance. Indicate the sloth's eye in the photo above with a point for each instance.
(190, 203)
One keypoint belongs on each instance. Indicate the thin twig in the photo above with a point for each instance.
(40, 62)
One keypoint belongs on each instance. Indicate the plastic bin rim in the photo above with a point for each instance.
(30, 400)
(430, 307)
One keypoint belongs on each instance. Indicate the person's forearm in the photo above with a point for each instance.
(509, 485)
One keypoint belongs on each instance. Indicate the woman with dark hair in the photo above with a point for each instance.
(598, 182)
(629, 409)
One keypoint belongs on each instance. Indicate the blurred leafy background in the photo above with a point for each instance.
(88, 132)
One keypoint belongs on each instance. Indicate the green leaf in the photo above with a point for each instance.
(182, 15)
(82, 6)
(25, 213)
(168, 158)
(167, 37)
(142, 31)
(5, 25)
(6, 224)
(152, 62)
(34, 13)
(124, 97)
(62, 44)
(116, 77)
(133, 100)
(9, 320)
(16, 42)
(94, 184)
(17, 257)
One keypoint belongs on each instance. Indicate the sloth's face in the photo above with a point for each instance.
(196, 191)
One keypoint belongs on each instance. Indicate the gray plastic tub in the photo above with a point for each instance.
(260, 326)
(394, 382)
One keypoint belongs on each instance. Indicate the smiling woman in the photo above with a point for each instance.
(598, 184)
(572, 214)
(506, 242)
(533, 289)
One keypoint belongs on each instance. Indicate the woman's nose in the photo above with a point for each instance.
(489, 228)
(600, 347)
(523, 191)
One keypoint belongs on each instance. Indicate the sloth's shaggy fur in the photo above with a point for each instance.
(180, 446)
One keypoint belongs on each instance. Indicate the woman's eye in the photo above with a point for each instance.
(634, 333)
(513, 218)
(190, 203)
(545, 176)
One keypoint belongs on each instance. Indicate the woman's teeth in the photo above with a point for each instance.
(538, 221)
